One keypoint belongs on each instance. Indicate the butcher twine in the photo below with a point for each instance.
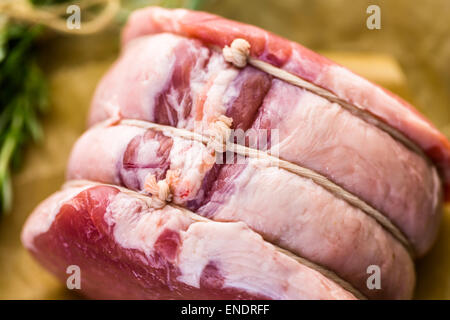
(219, 133)
(238, 53)
(197, 218)
(160, 191)
(53, 16)
(317, 178)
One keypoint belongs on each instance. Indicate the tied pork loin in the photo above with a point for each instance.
(343, 175)
(127, 250)
(313, 224)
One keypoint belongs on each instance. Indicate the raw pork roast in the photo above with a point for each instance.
(152, 214)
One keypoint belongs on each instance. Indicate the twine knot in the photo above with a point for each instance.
(219, 132)
(237, 53)
(160, 190)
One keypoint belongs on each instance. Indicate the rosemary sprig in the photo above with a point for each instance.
(23, 98)
(190, 4)
(23, 94)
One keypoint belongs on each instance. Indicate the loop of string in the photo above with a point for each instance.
(238, 53)
(197, 218)
(276, 162)
(219, 132)
(160, 191)
(53, 16)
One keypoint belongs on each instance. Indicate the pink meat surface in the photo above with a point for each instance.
(172, 72)
(313, 224)
(126, 250)
(187, 84)
(292, 57)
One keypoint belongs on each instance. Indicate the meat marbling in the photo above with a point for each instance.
(162, 254)
(189, 85)
(172, 72)
(313, 224)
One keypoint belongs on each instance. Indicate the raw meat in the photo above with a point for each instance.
(216, 31)
(285, 209)
(189, 85)
(196, 228)
(126, 250)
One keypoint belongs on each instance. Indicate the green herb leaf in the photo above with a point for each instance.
(22, 99)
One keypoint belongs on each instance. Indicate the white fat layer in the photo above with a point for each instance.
(164, 63)
(364, 92)
(199, 75)
(136, 226)
(324, 137)
(96, 153)
(214, 105)
(247, 262)
(243, 258)
(216, 79)
(167, 16)
(146, 85)
(306, 219)
(146, 152)
(352, 87)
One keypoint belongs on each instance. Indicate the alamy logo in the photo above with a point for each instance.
(230, 149)
(255, 139)
(74, 280)
(374, 20)
(74, 19)
(374, 280)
